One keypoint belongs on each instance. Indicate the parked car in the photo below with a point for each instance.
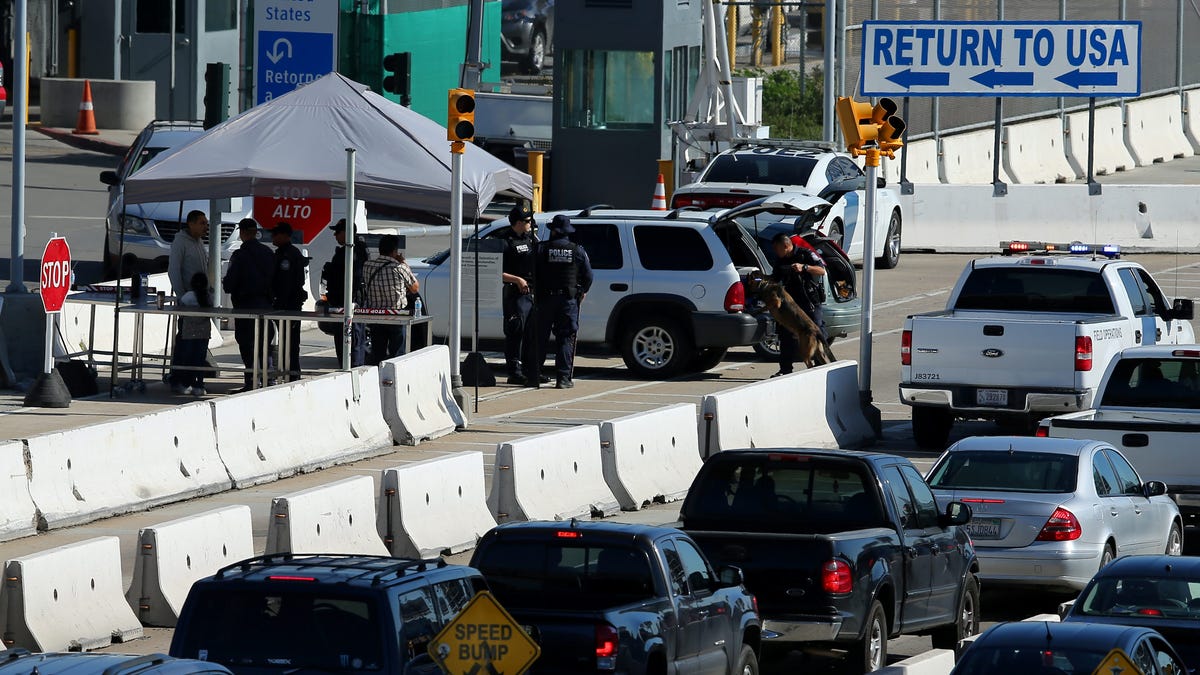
(1051, 648)
(17, 661)
(1050, 512)
(527, 32)
(630, 599)
(1155, 591)
(842, 549)
(322, 614)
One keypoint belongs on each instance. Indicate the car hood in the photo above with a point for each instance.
(794, 203)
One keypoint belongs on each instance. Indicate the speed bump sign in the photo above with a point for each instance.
(1117, 662)
(483, 640)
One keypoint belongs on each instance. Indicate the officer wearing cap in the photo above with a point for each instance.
(248, 283)
(287, 289)
(564, 276)
(333, 273)
(520, 324)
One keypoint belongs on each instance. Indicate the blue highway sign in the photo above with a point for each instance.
(1001, 58)
(295, 42)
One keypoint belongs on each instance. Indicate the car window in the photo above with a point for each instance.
(1107, 484)
(1129, 481)
(1005, 471)
(565, 574)
(770, 166)
(1134, 596)
(452, 596)
(1154, 383)
(906, 508)
(676, 576)
(699, 576)
(1167, 664)
(1035, 289)
(927, 510)
(1133, 288)
(602, 241)
(675, 249)
(418, 621)
(1157, 302)
(985, 659)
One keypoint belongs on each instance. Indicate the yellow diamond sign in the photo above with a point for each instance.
(1117, 662)
(484, 640)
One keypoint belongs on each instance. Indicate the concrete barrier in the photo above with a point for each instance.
(1154, 130)
(118, 104)
(171, 556)
(1110, 153)
(67, 598)
(130, 464)
(922, 163)
(271, 433)
(335, 518)
(967, 159)
(435, 506)
(552, 476)
(1191, 117)
(932, 662)
(417, 400)
(651, 456)
(18, 515)
(1034, 153)
(749, 416)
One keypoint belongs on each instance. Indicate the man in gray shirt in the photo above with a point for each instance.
(189, 257)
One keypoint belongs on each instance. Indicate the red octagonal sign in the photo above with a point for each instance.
(56, 274)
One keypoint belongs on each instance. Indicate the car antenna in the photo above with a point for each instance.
(1010, 449)
(1049, 635)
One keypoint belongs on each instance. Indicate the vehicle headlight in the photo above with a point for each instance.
(133, 224)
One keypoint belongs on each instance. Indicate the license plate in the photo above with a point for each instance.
(996, 397)
(984, 528)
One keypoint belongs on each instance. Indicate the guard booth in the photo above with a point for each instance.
(622, 69)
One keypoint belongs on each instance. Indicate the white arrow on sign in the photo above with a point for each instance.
(275, 54)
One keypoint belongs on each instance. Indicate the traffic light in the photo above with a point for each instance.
(460, 122)
(398, 78)
(864, 125)
(216, 94)
(889, 135)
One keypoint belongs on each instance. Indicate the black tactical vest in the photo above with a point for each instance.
(558, 269)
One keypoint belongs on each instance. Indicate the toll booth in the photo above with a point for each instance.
(622, 69)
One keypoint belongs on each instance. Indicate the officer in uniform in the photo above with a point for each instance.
(333, 274)
(799, 269)
(564, 276)
(520, 324)
(287, 289)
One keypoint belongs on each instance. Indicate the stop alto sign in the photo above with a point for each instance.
(56, 274)
(306, 215)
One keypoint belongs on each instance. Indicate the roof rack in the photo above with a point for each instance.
(674, 214)
(793, 143)
(14, 653)
(301, 560)
(594, 207)
(133, 664)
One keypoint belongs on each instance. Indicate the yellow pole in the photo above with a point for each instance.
(72, 52)
(777, 35)
(756, 16)
(535, 172)
(731, 27)
(667, 168)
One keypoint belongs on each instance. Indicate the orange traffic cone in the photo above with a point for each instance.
(659, 203)
(87, 116)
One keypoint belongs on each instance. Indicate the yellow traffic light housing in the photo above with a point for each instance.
(889, 136)
(870, 127)
(460, 118)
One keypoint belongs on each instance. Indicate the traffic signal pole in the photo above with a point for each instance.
(866, 328)
(457, 148)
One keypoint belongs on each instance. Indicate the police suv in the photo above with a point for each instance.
(1027, 337)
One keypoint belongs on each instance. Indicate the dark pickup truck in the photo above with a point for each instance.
(611, 598)
(841, 549)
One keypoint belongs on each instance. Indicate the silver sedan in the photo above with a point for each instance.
(1049, 512)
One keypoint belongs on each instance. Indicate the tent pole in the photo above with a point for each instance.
(456, 245)
(348, 264)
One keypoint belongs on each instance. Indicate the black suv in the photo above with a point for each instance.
(22, 662)
(322, 614)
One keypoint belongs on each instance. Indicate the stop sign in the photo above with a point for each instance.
(56, 274)
(306, 215)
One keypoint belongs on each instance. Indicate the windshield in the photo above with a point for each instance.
(744, 167)
(143, 158)
(285, 629)
(1005, 472)
(1154, 383)
(1142, 597)
(784, 493)
(1035, 289)
(565, 575)
(1034, 658)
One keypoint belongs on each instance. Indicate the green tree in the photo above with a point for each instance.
(791, 112)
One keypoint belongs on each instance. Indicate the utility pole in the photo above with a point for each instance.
(20, 108)
(472, 68)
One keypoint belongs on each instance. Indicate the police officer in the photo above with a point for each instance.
(520, 324)
(799, 269)
(248, 283)
(564, 276)
(333, 274)
(287, 289)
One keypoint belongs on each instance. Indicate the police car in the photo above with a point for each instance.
(768, 166)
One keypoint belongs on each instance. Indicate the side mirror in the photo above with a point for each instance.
(880, 182)
(1154, 488)
(957, 513)
(109, 178)
(1064, 608)
(1183, 308)
(731, 577)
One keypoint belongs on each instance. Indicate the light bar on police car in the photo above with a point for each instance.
(1043, 248)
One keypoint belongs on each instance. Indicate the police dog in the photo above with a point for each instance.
(814, 350)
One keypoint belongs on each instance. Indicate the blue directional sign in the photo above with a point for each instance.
(295, 43)
(1001, 58)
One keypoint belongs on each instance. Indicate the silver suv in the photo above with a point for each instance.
(668, 293)
(150, 228)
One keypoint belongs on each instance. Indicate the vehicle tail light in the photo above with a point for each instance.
(1150, 611)
(836, 577)
(1083, 353)
(607, 644)
(568, 534)
(1043, 431)
(735, 298)
(678, 201)
(754, 602)
(977, 500)
(1062, 526)
(906, 348)
(1191, 353)
(286, 577)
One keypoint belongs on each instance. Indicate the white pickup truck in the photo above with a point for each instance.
(1148, 406)
(1026, 337)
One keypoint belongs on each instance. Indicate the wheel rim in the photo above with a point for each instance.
(968, 616)
(539, 50)
(653, 347)
(747, 670)
(893, 243)
(1175, 543)
(838, 236)
(1106, 558)
(875, 645)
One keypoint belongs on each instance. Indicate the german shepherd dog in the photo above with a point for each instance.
(814, 350)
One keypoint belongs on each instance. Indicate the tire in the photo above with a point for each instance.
(966, 621)
(108, 264)
(535, 59)
(837, 233)
(870, 653)
(707, 359)
(931, 427)
(1107, 556)
(891, 245)
(768, 346)
(747, 662)
(1175, 540)
(656, 347)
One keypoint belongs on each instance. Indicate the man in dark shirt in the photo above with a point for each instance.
(287, 289)
(799, 270)
(520, 325)
(334, 275)
(564, 276)
(248, 283)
